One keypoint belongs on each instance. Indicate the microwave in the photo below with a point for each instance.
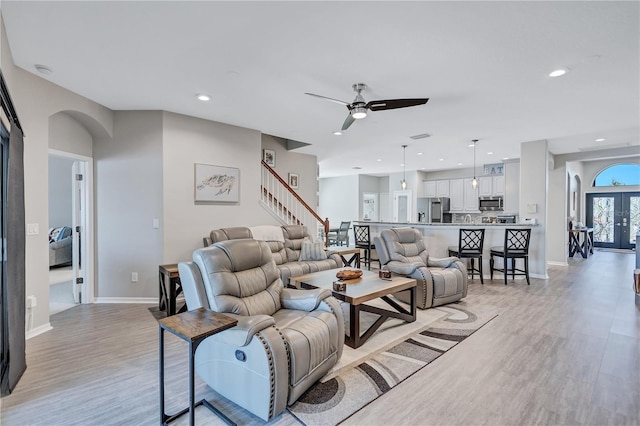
(490, 204)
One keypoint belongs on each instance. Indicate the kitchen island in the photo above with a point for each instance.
(439, 236)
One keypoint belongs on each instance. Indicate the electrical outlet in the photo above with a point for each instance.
(134, 277)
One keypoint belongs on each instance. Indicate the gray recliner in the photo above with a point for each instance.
(285, 340)
(439, 281)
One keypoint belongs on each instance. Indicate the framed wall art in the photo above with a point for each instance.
(269, 157)
(293, 180)
(216, 184)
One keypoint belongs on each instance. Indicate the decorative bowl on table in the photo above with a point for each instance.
(349, 274)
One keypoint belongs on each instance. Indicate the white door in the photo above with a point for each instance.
(402, 206)
(80, 211)
(77, 178)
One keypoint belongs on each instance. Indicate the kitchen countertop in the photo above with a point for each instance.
(367, 222)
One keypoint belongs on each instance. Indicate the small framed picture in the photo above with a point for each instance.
(269, 157)
(293, 180)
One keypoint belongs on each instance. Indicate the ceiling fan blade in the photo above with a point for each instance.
(395, 103)
(348, 122)
(338, 101)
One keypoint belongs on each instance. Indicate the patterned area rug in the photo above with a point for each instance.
(342, 393)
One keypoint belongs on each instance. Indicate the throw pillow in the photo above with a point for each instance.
(312, 251)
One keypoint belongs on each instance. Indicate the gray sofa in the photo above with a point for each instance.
(60, 252)
(439, 281)
(286, 339)
(285, 243)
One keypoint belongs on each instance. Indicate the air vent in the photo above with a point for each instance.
(422, 136)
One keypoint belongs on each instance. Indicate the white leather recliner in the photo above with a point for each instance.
(285, 340)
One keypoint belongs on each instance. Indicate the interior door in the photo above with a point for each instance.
(78, 251)
(402, 206)
(615, 218)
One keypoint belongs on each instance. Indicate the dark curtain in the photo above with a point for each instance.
(13, 293)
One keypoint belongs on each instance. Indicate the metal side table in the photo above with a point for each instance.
(192, 327)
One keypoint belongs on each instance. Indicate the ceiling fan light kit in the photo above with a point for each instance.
(359, 108)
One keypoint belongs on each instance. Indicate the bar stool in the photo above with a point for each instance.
(363, 241)
(470, 243)
(516, 246)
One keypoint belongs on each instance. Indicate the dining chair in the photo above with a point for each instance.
(516, 246)
(362, 234)
(341, 236)
(470, 243)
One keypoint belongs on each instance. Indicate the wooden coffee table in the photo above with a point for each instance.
(361, 290)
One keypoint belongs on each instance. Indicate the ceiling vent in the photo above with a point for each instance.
(422, 136)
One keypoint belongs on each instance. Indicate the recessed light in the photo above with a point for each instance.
(357, 168)
(472, 145)
(441, 159)
(490, 153)
(203, 97)
(559, 72)
(402, 165)
(423, 168)
(379, 160)
(600, 140)
(459, 164)
(419, 153)
(43, 69)
(505, 158)
(337, 133)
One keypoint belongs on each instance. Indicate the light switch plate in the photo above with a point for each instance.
(33, 229)
(532, 208)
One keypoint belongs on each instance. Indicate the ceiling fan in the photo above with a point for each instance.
(359, 107)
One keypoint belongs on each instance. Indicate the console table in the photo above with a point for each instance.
(193, 327)
(584, 247)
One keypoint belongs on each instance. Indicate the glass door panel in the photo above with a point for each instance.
(615, 219)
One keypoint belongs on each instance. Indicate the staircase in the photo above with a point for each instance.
(283, 203)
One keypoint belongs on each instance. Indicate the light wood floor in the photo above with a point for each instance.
(564, 351)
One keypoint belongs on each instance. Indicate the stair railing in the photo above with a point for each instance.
(284, 203)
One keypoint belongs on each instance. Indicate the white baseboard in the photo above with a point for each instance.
(146, 300)
(551, 263)
(38, 330)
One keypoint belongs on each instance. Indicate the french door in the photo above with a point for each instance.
(615, 218)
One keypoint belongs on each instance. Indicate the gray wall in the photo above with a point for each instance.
(306, 166)
(60, 191)
(186, 141)
(534, 164)
(128, 172)
(339, 199)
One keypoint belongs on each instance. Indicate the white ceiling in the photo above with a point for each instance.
(484, 66)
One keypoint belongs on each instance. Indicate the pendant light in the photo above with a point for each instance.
(474, 182)
(403, 182)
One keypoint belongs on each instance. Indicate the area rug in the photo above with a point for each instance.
(342, 393)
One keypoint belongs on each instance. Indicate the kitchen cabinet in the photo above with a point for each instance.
(456, 195)
(429, 188)
(470, 196)
(484, 186)
(498, 185)
(442, 188)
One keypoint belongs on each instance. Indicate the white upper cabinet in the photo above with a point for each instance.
(484, 186)
(456, 195)
(470, 196)
(498, 185)
(429, 188)
(442, 188)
